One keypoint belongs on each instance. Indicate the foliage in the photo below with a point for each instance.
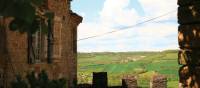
(29, 15)
(19, 83)
(42, 81)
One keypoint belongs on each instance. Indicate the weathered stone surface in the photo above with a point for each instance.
(129, 82)
(189, 42)
(64, 49)
(158, 81)
(189, 14)
(187, 2)
(189, 77)
(100, 80)
(189, 36)
(184, 75)
(182, 57)
(189, 57)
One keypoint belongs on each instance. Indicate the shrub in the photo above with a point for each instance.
(19, 83)
(40, 81)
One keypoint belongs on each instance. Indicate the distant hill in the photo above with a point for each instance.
(172, 51)
(141, 64)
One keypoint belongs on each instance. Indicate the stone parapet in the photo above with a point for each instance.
(158, 81)
(100, 80)
(129, 82)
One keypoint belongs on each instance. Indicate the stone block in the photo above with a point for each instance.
(189, 36)
(158, 81)
(188, 57)
(184, 76)
(100, 80)
(187, 2)
(189, 14)
(129, 82)
(182, 58)
(189, 77)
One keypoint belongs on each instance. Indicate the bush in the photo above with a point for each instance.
(19, 83)
(42, 81)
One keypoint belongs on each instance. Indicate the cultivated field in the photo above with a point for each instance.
(142, 64)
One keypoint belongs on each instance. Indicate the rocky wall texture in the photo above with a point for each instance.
(14, 60)
(158, 81)
(189, 42)
(129, 82)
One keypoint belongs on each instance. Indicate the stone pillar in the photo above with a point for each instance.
(158, 81)
(189, 42)
(129, 82)
(100, 80)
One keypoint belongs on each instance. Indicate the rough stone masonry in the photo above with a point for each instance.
(14, 48)
(189, 42)
(158, 81)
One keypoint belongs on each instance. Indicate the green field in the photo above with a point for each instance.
(141, 64)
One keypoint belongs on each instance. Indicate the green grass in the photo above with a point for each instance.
(141, 64)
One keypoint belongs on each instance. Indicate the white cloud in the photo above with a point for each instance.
(152, 36)
(138, 38)
(116, 12)
(157, 7)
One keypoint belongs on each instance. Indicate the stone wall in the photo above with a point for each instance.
(100, 80)
(129, 81)
(64, 47)
(158, 81)
(189, 42)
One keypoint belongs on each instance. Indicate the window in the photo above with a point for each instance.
(36, 47)
(40, 47)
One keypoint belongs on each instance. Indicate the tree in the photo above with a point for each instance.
(29, 15)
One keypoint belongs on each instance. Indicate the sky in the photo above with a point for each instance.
(102, 16)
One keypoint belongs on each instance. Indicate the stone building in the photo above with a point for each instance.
(17, 56)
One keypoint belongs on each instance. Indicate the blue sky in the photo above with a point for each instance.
(101, 16)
